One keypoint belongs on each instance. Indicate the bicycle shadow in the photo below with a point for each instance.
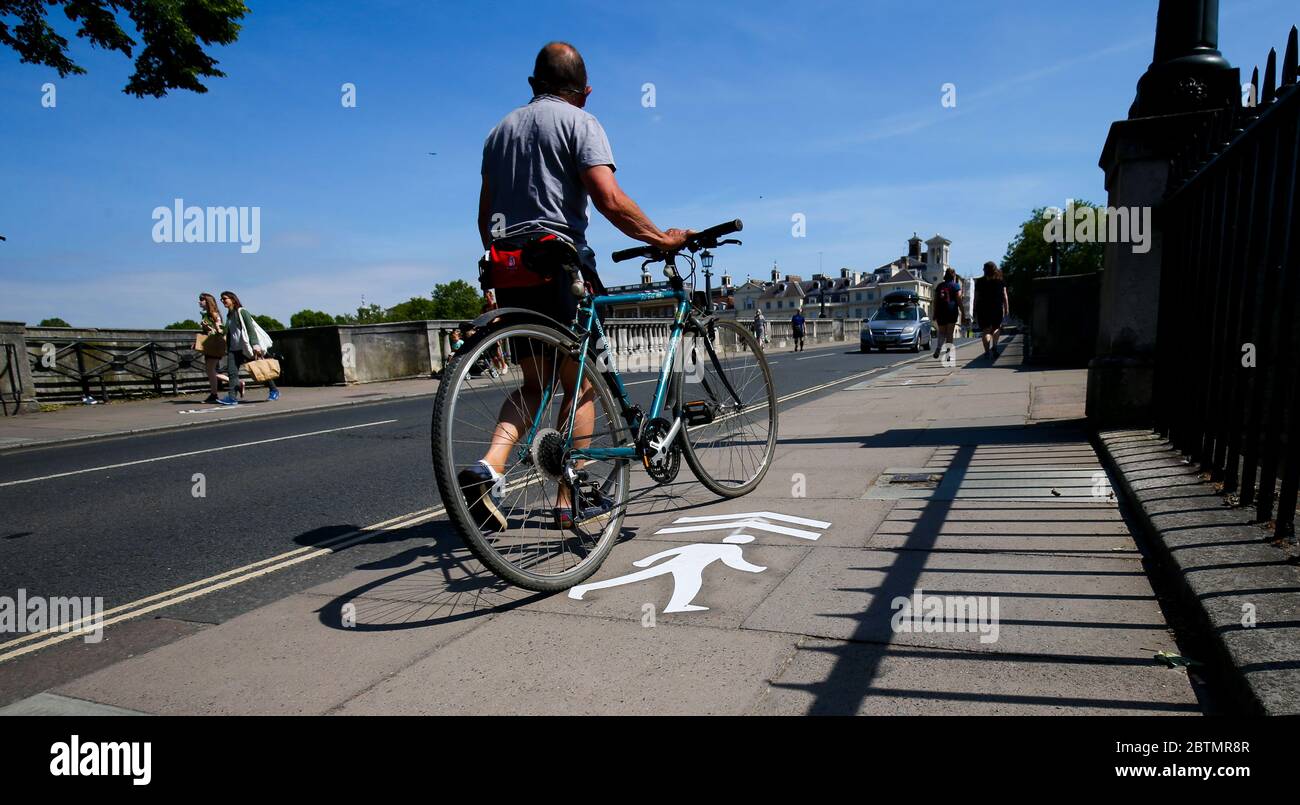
(439, 581)
(436, 582)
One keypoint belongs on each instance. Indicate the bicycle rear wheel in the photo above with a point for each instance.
(509, 375)
(731, 452)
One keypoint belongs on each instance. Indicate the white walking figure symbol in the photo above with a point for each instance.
(687, 566)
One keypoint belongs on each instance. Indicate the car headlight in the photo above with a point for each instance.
(909, 330)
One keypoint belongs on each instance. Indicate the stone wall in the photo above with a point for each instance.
(1063, 330)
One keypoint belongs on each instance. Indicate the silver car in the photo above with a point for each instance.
(897, 326)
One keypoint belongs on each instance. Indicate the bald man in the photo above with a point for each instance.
(541, 164)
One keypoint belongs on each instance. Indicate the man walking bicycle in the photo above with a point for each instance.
(541, 164)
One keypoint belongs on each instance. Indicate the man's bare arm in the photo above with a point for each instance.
(624, 213)
(485, 213)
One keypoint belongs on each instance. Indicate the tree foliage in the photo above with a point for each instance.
(453, 300)
(1029, 255)
(53, 322)
(456, 300)
(268, 323)
(184, 324)
(175, 33)
(310, 318)
(366, 314)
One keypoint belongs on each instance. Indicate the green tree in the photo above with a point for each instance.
(456, 300)
(184, 324)
(1029, 255)
(175, 33)
(310, 318)
(417, 308)
(366, 314)
(268, 323)
(54, 322)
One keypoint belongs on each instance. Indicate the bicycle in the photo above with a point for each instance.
(725, 431)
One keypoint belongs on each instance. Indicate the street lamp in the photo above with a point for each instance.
(706, 260)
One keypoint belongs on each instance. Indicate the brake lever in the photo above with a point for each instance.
(727, 241)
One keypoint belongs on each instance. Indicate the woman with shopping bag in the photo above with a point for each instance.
(246, 343)
(212, 343)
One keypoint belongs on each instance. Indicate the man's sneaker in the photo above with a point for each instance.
(592, 510)
(484, 488)
(936, 352)
(273, 396)
(212, 399)
(227, 400)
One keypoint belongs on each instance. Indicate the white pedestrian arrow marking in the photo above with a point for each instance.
(758, 521)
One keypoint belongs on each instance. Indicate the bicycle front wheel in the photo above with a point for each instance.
(729, 391)
(504, 400)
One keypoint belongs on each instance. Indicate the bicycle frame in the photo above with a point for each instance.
(589, 324)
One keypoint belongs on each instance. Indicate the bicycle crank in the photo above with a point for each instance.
(661, 453)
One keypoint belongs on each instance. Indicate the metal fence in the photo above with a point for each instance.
(11, 385)
(68, 368)
(1226, 393)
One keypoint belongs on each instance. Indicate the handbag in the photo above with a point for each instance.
(264, 369)
(213, 345)
(250, 323)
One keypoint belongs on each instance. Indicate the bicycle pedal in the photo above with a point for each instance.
(697, 412)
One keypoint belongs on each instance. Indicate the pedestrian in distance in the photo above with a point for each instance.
(946, 309)
(245, 341)
(992, 305)
(214, 344)
(760, 327)
(796, 329)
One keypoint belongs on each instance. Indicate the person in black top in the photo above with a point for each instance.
(991, 306)
(796, 329)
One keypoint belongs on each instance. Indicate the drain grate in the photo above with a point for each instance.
(912, 480)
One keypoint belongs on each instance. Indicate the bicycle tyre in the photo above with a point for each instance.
(445, 460)
(692, 438)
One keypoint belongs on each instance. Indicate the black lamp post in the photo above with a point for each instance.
(706, 261)
(1187, 72)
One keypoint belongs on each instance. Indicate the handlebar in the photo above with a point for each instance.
(704, 239)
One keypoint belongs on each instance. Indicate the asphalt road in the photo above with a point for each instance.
(77, 522)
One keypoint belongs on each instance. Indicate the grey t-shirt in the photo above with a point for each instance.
(533, 161)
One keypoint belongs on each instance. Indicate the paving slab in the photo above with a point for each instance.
(852, 521)
(52, 704)
(837, 678)
(1068, 605)
(277, 660)
(728, 594)
(541, 663)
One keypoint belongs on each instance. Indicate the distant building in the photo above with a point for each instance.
(723, 298)
(853, 294)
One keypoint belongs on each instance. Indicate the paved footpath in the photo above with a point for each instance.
(972, 484)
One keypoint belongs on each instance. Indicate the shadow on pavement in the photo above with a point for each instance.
(855, 671)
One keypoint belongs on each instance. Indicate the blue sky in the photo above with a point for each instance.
(763, 110)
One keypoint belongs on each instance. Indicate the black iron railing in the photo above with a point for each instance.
(70, 366)
(1228, 348)
(11, 384)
